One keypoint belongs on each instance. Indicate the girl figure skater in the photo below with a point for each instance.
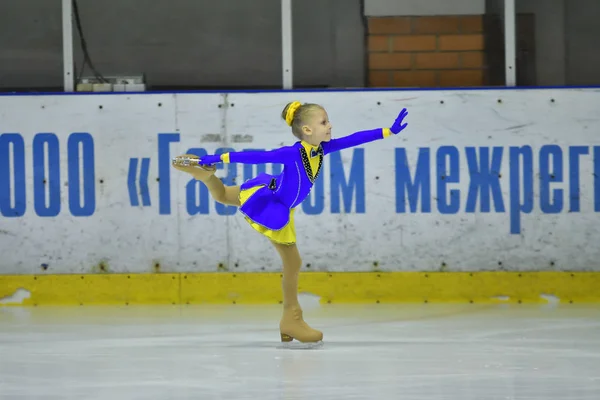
(268, 201)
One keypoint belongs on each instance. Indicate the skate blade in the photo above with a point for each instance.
(294, 345)
(184, 161)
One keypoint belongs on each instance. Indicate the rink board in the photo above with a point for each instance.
(481, 180)
(265, 288)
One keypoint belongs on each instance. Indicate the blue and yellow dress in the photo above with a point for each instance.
(268, 201)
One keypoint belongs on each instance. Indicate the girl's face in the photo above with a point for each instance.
(317, 128)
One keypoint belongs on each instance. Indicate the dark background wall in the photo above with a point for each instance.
(582, 47)
(186, 44)
(565, 41)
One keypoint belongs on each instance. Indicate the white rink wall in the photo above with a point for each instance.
(480, 180)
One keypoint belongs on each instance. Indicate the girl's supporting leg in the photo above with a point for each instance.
(292, 325)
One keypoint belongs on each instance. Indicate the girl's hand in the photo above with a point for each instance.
(398, 126)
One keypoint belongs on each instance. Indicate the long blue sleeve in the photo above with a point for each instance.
(355, 139)
(277, 156)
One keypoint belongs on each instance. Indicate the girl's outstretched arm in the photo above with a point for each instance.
(361, 137)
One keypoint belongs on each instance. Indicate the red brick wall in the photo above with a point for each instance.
(426, 51)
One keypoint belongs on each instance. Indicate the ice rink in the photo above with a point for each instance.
(413, 352)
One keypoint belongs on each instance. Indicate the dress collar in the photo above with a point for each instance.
(312, 150)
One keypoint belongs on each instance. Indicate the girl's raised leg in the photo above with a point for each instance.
(228, 195)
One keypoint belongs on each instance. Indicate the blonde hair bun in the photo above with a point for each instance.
(290, 111)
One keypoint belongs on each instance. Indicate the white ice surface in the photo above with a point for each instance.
(414, 352)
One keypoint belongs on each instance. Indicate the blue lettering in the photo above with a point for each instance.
(40, 142)
(574, 192)
(548, 205)
(444, 177)
(81, 207)
(597, 178)
(164, 171)
(144, 189)
(355, 183)
(484, 178)
(228, 180)
(131, 188)
(6, 208)
(421, 182)
(520, 157)
(196, 192)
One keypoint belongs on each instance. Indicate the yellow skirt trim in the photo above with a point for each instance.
(286, 235)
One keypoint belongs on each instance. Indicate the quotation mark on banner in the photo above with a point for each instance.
(144, 192)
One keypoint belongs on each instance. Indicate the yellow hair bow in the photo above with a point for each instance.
(289, 115)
